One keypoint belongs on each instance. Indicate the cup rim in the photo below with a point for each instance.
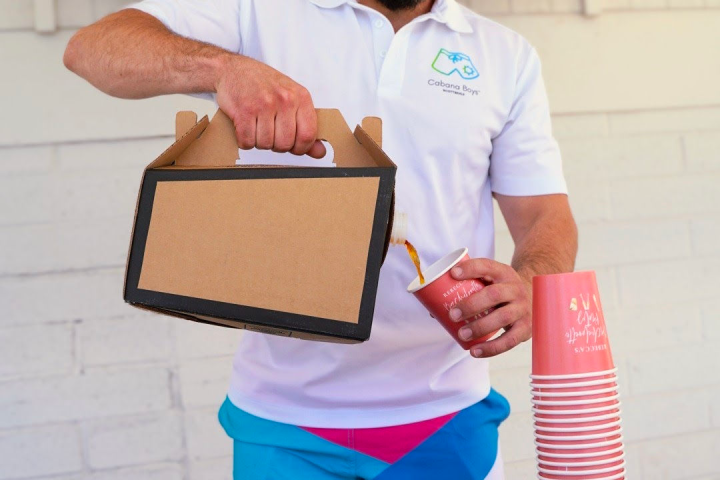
(591, 428)
(596, 418)
(590, 401)
(580, 411)
(578, 438)
(579, 473)
(570, 376)
(453, 257)
(616, 476)
(564, 273)
(597, 391)
(588, 383)
(580, 455)
(582, 464)
(582, 446)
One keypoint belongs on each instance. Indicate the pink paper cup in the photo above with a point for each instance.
(550, 421)
(580, 411)
(577, 472)
(595, 401)
(579, 428)
(565, 454)
(572, 438)
(579, 401)
(616, 476)
(574, 377)
(441, 292)
(582, 462)
(580, 447)
(560, 386)
(568, 393)
(569, 421)
(569, 336)
(585, 450)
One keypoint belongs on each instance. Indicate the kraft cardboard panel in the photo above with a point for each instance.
(184, 121)
(217, 146)
(305, 253)
(305, 326)
(373, 127)
(347, 151)
(176, 149)
(379, 157)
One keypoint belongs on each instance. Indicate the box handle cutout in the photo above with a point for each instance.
(217, 146)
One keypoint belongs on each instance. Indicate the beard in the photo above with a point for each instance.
(396, 5)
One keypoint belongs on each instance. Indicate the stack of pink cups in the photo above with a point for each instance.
(576, 407)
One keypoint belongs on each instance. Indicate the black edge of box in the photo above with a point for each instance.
(241, 313)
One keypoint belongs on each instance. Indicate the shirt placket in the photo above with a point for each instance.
(392, 67)
(383, 35)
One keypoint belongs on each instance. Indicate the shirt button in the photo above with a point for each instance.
(379, 23)
(382, 54)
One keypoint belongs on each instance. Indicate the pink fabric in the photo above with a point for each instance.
(388, 444)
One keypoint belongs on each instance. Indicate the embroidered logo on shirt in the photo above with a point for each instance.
(447, 63)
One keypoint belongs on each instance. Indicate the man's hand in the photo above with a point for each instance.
(545, 239)
(510, 297)
(270, 111)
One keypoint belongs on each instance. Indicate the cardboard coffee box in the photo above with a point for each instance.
(292, 251)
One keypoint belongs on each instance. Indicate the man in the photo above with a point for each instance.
(465, 118)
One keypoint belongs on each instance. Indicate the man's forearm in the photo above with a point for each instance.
(131, 54)
(549, 246)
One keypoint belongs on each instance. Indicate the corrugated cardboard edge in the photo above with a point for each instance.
(272, 330)
(220, 322)
(379, 157)
(184, 121)
(176, 149)
(373, 127)
(164, 159)
(216, 147)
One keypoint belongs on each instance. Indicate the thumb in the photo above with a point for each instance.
(317, 150)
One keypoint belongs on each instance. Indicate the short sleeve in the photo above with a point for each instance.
(211, 21)
(525, 158)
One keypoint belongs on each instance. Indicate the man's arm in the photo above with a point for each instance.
(544, 232)
(545, 237)
(131, 54)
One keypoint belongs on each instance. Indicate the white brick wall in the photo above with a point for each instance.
(93, 389)
(134, 440)
(32, 452)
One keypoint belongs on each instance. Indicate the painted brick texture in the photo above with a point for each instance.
(93, 389)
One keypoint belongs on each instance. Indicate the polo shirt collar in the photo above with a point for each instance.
(329, 3)
(444, 11)
(450, 13)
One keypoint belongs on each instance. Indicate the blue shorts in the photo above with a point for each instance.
(460, 446)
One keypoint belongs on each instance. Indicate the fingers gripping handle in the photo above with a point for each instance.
(217, 145)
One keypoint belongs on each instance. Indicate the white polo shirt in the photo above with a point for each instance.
(464, 114)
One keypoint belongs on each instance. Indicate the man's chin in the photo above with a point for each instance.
(396, 5)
